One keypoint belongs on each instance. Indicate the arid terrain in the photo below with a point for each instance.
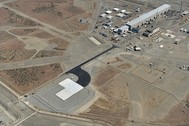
(122, 74)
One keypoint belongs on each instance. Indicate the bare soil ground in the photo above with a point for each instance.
(50, 53)
(48, 45)
(147, 73)
(10, 18)
(61, 44)
(104, 75)
(116, 88)
(23, 32)
(124, 66)
(32, 32)
(109, 110)
(62, 14)
(58, 50)
(178, 116)
(113, 60)
(112, 105)
(5, 37)
(11, 49)
(24, 80)
(118, 62)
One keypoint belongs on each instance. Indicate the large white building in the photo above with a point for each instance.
(137, 22)
(149, 16)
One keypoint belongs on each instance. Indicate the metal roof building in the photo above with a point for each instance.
(148, 16)
(123, 29)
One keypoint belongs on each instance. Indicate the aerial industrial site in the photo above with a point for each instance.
(94, 62)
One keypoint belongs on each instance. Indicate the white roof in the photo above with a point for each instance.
(148, 15)
(116, 9)
(185, 12)
(128, 12)
(124, 28)
(95, 41)
(123, 11)
(120, 15)
(70, 88)
(108, 12)
(109, 16)
(103, 15)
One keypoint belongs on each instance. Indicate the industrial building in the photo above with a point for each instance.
(151, 31)
(137, 22)
(123, 29)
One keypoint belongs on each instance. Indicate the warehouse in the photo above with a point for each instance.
(151, 31)
(148, 16)
(123, 29)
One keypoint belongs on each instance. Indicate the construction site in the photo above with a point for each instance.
(94, 63)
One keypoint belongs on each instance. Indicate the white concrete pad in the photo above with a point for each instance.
(70, 88)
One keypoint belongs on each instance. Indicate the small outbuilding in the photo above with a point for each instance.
(123, 11)
(121, 15)
(116, 9)
(103, 15)
(108, 12)
(109, 17)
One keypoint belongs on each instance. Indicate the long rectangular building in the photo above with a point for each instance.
(149, 16)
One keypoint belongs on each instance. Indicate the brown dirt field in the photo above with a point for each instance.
(178, 116)
(10, 18)
(15, 55)
(32, 32)
(24, 80)
(5, 37)
(113, 105)
(23, 32)
(61, 44)
(113, 60)
(116, 88)
(146, 73)
(54, 12)
(104, 75)
(12, 49)
(45, 53)
(124, 66)
(109, 110)
(12, 44)
(41, 34)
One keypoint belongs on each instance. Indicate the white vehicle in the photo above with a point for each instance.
(115, 30)
(112, 29)
(185, 30)
(136, 48)
(182, 29)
